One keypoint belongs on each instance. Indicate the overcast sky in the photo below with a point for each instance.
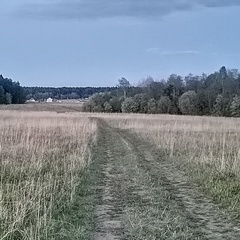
(96, 42)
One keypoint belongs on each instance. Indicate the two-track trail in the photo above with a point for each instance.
(143, 197)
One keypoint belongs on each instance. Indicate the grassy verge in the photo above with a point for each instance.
(77, 220)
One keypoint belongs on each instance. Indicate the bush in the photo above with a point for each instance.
(152, 106)
(164, 105)
(235, 107)
(188, 103)
(107, 107)
(129, 106)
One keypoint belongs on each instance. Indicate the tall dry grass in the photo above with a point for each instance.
(41, 156)
(207, 149)
(208, 142)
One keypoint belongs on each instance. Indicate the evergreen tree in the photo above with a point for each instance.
(2, 95)
(17, 94)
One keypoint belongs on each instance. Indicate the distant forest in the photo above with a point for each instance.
(217, 94)
(61, 93)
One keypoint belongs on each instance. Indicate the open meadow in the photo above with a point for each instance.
(41, 157)
(100, 176)
(45, 107)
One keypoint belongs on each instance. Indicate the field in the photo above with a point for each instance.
(71, 175)
(206, 148)
(41, 156)
(46, 107)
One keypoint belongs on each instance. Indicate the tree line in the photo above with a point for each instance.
(11, 92)
(61, 93)
(215, 94)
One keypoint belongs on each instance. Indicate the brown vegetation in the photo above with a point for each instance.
(41, 155)
(206, 148)
(49, 107)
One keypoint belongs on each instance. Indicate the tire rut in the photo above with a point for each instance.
(108, 211)
(128, 161)
(202, 212)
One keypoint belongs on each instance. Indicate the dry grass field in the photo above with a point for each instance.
(47, 107)
(206, 141)
(206, 148)
(41, 155)
(165, 175)
(145, 176)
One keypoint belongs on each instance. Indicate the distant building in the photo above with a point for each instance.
(49, 100)
(31, 100)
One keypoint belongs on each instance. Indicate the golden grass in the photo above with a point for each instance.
(41, 155)
(207, 149)
(43, 106)
(209, 142)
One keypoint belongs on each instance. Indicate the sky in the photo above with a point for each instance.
(96, 42)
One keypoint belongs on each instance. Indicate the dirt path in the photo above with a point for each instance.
(108, 212)
(142, 197)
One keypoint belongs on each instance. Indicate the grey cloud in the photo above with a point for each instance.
(171, 53)
(91, 9)
(219, 3)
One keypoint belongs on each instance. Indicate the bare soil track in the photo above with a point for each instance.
(142, 196)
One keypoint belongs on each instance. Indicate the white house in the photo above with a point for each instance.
(49, 100)
(31, 100)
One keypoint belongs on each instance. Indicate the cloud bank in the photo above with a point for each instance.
(91, 9)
